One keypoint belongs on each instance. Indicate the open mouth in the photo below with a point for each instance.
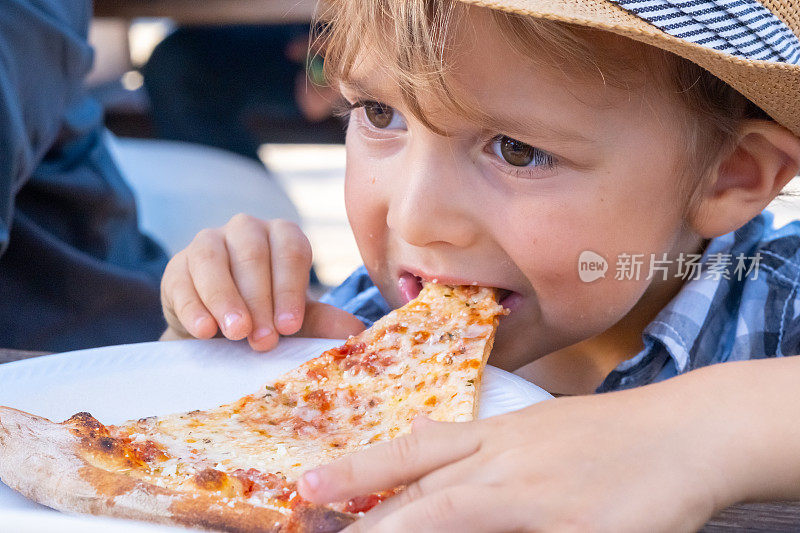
(410, 286)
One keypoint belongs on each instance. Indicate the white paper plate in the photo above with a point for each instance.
(119, 383)
(17, 521)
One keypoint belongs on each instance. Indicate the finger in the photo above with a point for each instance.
(210, 269)
(390, 464)
(328, 322)
(464, 508)
(291, 264)
(183, 309)
(248, 246)
(471, 469)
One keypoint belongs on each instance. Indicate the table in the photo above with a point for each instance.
(773, 516)
(8, 356)
(210, 11)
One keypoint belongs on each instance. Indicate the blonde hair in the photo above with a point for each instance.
(408, 38)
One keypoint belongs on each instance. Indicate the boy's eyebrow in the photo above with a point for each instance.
(493, 120)
(361, 88)
(529, 125)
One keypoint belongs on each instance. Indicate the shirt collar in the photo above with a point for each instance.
(677, 326)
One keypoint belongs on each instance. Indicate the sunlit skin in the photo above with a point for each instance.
(453, 208)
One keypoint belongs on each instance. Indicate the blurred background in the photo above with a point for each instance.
(228, 75)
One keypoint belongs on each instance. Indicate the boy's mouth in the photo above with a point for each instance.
(410, 286)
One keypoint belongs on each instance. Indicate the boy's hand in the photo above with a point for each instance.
(616, 462)
(247, 279)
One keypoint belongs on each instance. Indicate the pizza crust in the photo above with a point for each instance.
(44, 462)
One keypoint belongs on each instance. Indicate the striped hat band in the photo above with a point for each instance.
(742, 28)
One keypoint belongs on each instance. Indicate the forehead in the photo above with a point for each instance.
(485, 68)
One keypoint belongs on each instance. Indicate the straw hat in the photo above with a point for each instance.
(753, 45)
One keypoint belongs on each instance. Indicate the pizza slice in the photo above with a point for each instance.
(235, 468)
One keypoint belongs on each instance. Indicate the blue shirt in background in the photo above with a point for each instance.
(74, 270)
(720, 314)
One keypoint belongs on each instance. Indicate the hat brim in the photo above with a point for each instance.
(774, 87)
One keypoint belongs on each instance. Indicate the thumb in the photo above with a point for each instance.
(326, 321)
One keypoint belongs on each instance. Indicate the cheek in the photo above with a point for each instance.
(552, 233)
(365, 205)
(557, 240)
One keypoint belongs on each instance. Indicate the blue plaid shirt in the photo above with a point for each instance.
(722, 313)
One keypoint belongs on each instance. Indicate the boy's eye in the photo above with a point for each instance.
(383, 116)
(517, 153)
(514, 152)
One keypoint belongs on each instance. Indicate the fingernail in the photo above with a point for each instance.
(261, 334)
(231, 319)
(286, 317)
(311, 479)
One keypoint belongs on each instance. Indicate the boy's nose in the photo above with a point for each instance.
(431, 203)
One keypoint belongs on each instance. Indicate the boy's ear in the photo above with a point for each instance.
(762, 163)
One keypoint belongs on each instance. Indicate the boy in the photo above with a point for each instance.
(491, 145)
